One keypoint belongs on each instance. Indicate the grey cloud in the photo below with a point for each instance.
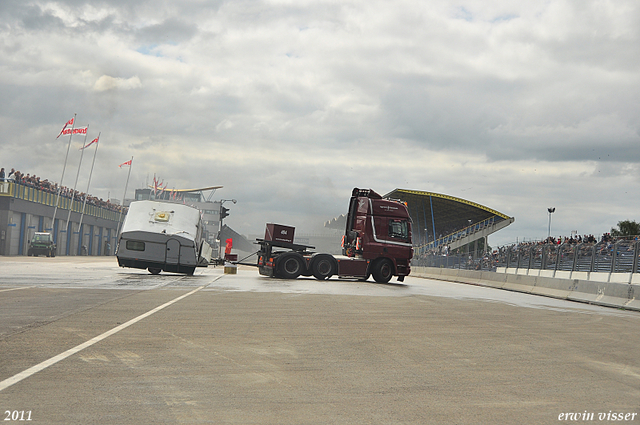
(172, 31)
(41, 20)
(290, 106)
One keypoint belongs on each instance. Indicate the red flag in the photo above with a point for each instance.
(67, 131)
(125, 163)
(90, 143)
(70, 122)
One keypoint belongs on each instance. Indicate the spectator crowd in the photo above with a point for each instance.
(606, 239)
(488, 260)
(51, 187)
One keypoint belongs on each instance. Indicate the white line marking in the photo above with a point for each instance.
(15, 289)
(53, 360)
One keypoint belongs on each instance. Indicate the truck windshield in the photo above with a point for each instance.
(398, 229)
(42, 238)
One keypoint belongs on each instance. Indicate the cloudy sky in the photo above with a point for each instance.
(518, 106)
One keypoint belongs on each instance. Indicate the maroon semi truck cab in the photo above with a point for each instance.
(379, 230)
(377, 242)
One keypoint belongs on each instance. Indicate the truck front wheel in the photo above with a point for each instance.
(382, 271)
(290, 266)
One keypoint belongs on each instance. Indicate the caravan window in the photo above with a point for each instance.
(135, 245)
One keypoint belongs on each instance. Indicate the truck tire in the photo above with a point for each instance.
(323, 266)
(382, 271)
(290, 265)
(154, 270)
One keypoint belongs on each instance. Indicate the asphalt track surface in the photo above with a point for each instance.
(85, 342)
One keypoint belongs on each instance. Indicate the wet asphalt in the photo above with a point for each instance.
(84, 341)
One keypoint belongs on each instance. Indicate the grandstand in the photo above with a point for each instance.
(446, 221)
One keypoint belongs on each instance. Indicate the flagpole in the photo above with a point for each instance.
(75, 184)
(86, 193)
(55, 209)
(124, 194)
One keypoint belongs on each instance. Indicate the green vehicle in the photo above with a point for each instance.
(42, 244)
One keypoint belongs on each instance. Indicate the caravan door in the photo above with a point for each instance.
(173, 251)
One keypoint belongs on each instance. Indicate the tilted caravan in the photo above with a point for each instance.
(162, 236)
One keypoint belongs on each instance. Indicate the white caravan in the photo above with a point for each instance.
(162, 236)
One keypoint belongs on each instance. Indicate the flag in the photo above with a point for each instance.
(90, 143)
(67, 131)
(125, 163)
(70, 122)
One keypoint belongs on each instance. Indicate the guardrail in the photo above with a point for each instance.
(624, 295)
(39, 196)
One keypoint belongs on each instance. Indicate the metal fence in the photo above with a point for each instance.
(474, 228)
(610, 256)
(469, 261)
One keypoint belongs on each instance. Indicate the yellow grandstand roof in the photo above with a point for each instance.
(439, 214)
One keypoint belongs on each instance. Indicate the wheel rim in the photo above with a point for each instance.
(385, 270)
(324, 267)
(292, 266)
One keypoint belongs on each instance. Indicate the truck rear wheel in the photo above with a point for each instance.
(290, 266)
(382, 271)
(323, 267)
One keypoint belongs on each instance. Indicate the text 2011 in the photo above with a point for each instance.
(17, 415)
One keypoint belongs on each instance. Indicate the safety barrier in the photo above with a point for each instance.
(609, 294)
